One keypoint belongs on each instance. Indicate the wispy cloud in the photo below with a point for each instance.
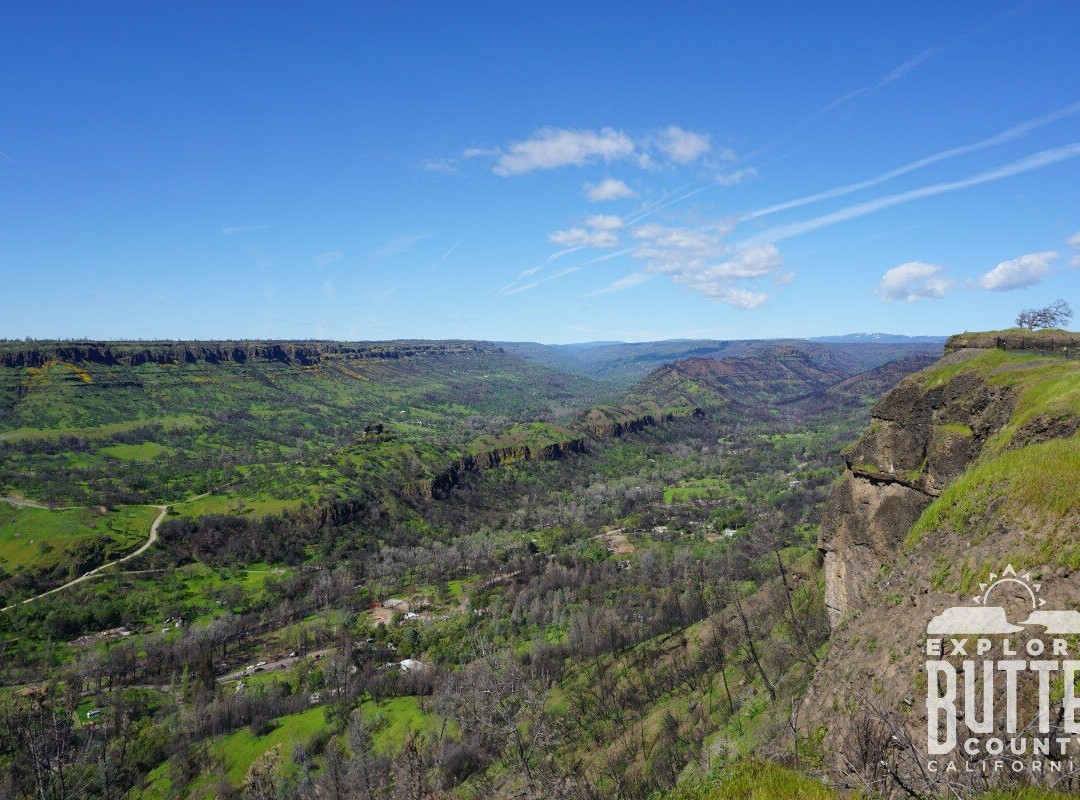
(329, 291)
(443, 166)
(608, 189)
(401, 244)
(328, 258)
(260, 259)
(679, 197)
(629, 282)
(1005, 136)
(579, 237)
(244, 229)
(736, 177)
(915, 280)
(1018, 273)
(894, 75)
(605, 222)
(562, 273)
(1074, 241)
(449, 252)
(1038, 160)
(609, 256)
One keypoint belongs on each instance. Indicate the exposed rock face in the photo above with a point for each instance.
(1064, 342)
(920, 439)
(883, 589)
(597, 423)
(863, 525)
(443, 483)
(301, 353)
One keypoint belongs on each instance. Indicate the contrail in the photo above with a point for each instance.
(1007, 135)
(1041, 159)
(653, 209)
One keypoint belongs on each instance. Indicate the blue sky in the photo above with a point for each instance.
(564, 172)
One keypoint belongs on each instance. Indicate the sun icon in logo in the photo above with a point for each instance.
(1008, 575)
(988, 618)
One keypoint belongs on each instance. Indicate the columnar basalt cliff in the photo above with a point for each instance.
(921, 437)
(133, 354)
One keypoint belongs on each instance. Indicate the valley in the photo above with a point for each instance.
(463, 570)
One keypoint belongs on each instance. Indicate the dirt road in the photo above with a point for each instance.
(87, 575)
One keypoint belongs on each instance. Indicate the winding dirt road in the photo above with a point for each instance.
(87, 575)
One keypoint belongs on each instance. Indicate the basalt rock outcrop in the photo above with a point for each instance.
(133, 354)
(1059, 342)
(445, 482)
(922, 436)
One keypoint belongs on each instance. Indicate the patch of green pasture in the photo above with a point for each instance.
(146, 451)
(395, 718)
(36, 537)
(228, 504)
(101, 431)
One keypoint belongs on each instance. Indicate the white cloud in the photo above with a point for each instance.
(736, 177)
(1074, 240)
(328, 290)
(700, 260)
(736, 298)
(915, 280)
(329, 257)
(683, 146)
(551, 148)
(717, 281)
(579, 237)
(605, 222)
(608, 189)
(750, 262)
(1018, 273)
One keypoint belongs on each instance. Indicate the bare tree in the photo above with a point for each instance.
(1056, 315)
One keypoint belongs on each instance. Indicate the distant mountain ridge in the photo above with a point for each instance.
(781, 374)
(623, 363)
(878, 338)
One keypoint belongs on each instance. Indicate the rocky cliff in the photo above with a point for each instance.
(302, 353)
(968, 466)
(922, 436)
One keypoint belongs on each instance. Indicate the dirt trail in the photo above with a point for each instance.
(87, 575)
(18, 501)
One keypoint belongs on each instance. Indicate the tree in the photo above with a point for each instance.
(1055, 315)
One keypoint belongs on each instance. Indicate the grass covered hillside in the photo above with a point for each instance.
(160, 423)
